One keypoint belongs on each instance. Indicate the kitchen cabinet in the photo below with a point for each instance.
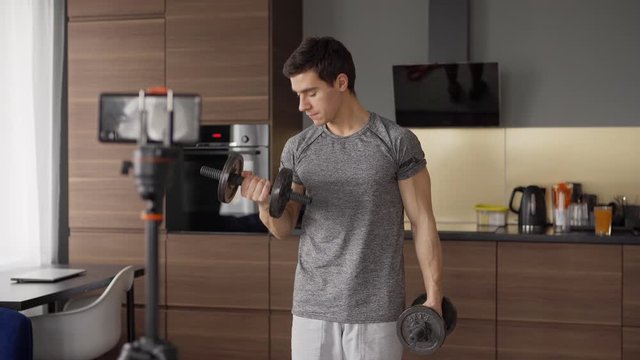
(280, 335)
(92, 9)
(111, 247)
(220, 50)
(526, 340)
(106, 56)
(631, 286)
(630, 343)
(555, 283)
(283, 255)
(282, 268)
(551, 301)
(218, 271)
(211, 334)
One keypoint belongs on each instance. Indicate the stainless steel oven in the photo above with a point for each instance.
(192, 203)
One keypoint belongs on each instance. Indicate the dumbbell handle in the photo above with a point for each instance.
(216, 174)
(303, 199)
(235, 179)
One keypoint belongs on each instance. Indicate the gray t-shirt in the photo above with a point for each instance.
(350, 265)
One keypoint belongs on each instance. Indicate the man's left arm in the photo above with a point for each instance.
(416, 198)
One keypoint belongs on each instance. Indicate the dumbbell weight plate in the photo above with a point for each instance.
(421, 317)
(280, 192)
(233, 165)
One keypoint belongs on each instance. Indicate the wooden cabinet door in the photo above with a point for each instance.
(220, 50)
(469, 276)
(280, 335)
(106, 56)
(631, 286)
(630, 343)
(560, 283)
(78, 9)
(111, 247)
(519, 340)
(218, 271)
(282, 269)
(202, 334)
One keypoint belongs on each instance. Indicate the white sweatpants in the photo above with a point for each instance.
(323, 340)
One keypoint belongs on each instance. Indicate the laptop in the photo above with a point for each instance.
(46, 275)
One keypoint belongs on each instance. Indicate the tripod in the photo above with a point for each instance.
(152, 164)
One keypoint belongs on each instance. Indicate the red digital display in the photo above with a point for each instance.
(216, 135)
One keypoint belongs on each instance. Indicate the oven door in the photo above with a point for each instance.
(192, 203)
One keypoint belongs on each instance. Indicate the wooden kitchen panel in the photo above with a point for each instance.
(630, 343)
(229, 42)
(631, 286)
(221, 271)
(113, 247)
(110, 56)
(551, 341)
(469, 277)
(283, 262)
(200, 334)
(82, 9)
(84, 147)
(123, 55)
(560, 283)
(280, 330)
(472, 339)
(105, 203)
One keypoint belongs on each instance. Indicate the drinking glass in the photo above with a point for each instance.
(603, 215)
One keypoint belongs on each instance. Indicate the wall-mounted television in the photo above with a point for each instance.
(447, 95)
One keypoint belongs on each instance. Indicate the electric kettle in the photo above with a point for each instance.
(532, 212)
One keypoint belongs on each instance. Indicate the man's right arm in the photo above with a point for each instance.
(257, 189)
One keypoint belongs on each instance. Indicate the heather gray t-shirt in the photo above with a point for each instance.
(350, 265)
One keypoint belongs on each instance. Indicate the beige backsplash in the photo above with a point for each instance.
(471, 166)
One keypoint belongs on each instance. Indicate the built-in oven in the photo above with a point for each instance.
(192, 203)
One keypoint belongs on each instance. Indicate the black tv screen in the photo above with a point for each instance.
(447, 95)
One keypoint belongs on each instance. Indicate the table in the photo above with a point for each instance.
(27, 295)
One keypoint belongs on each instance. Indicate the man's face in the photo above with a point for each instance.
(317, 99)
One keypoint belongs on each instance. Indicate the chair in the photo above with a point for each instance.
(15, 335)
(86, 332)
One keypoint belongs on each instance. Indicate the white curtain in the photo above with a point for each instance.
(31, 64)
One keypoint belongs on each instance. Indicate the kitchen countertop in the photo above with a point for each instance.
(470, 231)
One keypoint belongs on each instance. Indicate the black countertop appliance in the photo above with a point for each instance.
(532, 212)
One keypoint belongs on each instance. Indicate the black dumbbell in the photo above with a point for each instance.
(230, 178)
(422, 330)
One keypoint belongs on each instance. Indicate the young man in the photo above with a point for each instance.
(362, 171)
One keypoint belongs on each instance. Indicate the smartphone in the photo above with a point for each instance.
(120, 118)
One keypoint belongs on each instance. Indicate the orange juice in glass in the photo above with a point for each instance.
(603, 215)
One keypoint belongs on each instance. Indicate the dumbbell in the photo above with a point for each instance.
(230, 178)
(422, 330)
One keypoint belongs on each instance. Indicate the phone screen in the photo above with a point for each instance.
(120, 118)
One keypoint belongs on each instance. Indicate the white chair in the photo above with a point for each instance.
(86, 332)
